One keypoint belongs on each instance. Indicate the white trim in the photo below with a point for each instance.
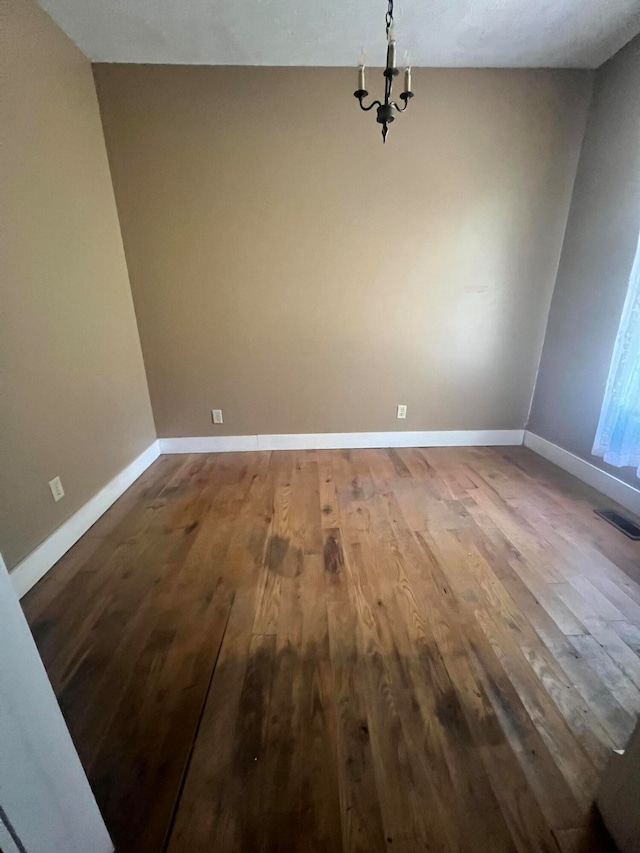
(209, 444)
(341, 440)
(37, 564)
(611, 486)
(46, 798)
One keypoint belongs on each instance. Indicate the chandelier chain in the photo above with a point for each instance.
(389, 16)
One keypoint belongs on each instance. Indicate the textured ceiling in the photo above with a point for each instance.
(507, 33)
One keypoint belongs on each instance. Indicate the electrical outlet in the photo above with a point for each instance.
(216, 415)
(56, 488)
(402, 412)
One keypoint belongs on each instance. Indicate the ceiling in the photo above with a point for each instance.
(494, 33)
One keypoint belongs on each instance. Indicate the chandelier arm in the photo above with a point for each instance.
(400, 109)
(371, 105)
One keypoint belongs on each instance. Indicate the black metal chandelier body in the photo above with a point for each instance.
(386, 111)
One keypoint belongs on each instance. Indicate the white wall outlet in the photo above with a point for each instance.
(402, 412)
(56, 488)
(216, 415)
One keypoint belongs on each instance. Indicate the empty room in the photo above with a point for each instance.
(320, 426)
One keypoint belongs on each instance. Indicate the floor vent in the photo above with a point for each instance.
(625, 525)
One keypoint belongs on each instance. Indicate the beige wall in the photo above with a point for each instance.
(289, 269)
(74, 396)
(597, 256)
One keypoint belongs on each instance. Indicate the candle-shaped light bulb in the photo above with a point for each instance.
(361, 85)
(407, 79)
(391, 48)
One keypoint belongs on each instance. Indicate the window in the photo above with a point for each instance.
(618, 436)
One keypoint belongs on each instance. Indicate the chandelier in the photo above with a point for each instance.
(386, 111)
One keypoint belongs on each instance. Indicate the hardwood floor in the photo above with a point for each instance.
(360, 650)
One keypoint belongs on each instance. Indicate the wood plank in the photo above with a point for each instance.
(145, 749)
(361, 817)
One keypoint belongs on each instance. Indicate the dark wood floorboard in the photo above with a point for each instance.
(367, 650)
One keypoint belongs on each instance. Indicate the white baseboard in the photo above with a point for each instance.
(341, 440)
(604, 482)
(37, 564)
(209, 444)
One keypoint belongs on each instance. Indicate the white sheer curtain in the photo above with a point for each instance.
(618, 436)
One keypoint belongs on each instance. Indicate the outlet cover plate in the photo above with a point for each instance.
(402, 412)
(216, 416)
(56, 488)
